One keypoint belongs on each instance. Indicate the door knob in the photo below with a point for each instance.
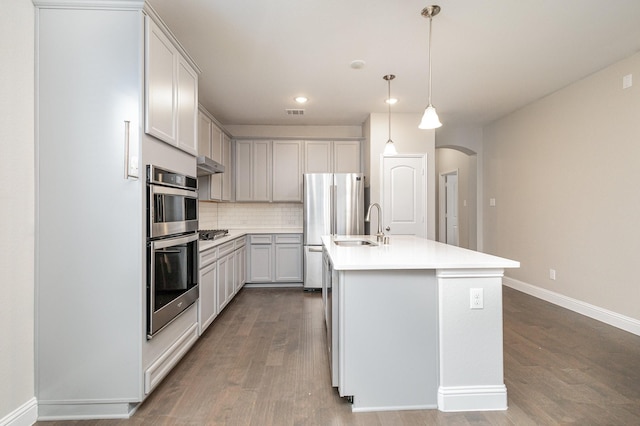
(388, 228)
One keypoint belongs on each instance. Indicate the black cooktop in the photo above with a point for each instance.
(212, 234)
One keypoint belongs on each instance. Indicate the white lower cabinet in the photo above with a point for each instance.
(222, 275)
(240, 262)
(275, 258)
(260, 258)
(225, 274)
(288, 258)
(207, 302)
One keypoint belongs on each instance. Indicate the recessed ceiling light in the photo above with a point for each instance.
(357, 64)
(300, 99)
(391, 101)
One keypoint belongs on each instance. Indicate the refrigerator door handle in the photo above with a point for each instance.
(315, 249)
(334, 226)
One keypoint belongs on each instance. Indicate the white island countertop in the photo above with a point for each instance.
(408, 252)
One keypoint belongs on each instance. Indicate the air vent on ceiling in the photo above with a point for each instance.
(294, 111)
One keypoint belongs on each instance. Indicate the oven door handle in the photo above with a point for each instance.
(170, 242)
(165, 190)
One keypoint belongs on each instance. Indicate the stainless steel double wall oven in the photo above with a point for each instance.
(172, 246)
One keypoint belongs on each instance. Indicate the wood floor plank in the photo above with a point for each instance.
(264, 362)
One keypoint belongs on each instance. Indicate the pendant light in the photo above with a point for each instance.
(389, 147)
(430, 118)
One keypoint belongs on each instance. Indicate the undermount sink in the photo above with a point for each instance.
(355, 243)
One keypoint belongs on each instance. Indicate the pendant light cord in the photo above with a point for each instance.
(430, 17)
(389, 105)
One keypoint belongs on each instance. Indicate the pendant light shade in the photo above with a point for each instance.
(430, 118)
(389, 147)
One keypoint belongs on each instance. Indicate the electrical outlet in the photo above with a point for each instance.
(552, 274)
(477, 299)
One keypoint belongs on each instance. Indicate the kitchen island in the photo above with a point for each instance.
(414, 324)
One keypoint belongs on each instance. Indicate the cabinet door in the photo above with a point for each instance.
(346, 157)
(287, 171)
(228, 168)
(225, 280)
(317, 157)
(288, 262)
(204, 135)
(243, 170)
(187, 107)
(243, 265)
(261, 171)
(216, 143)
(260, 258)
(239, 264)
(216, 154)
(208, 306)
(161, 103)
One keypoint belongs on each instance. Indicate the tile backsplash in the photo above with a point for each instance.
(249, 215)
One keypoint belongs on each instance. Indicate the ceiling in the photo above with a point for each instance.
(489, 57)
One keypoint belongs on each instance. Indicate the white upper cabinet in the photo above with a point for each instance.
(161, 60)
(215, 144)
(287, 171)
(204, 134)
(317, 156)
(346, 157)
(228, 174)
(272, 171)
(171, 95)
(187, 112)
(253, 170)
(332, 157)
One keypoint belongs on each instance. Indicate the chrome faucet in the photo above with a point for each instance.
(380, 234)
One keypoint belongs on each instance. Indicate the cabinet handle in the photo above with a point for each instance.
(127, 173)
(126, 149)
(388, 228)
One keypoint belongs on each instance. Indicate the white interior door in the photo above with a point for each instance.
(403, 195)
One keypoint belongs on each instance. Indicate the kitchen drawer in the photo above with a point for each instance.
(208, 257)
(260, 239)
(225, 248)
(289, 239)
(240, 242)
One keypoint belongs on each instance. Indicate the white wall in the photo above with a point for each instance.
(16, 208)
(565, 174)
(408, 139)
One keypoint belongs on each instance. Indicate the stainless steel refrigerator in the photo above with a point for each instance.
(333, 205)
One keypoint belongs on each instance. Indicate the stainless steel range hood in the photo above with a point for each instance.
(208, 166)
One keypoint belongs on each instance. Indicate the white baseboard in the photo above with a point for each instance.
(25, 415)
(608, 317)
(472, 398)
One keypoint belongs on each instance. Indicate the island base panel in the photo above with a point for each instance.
(388, 351)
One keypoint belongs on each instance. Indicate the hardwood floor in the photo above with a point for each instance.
(264, 362)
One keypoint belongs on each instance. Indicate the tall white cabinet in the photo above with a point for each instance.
(92, 356)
